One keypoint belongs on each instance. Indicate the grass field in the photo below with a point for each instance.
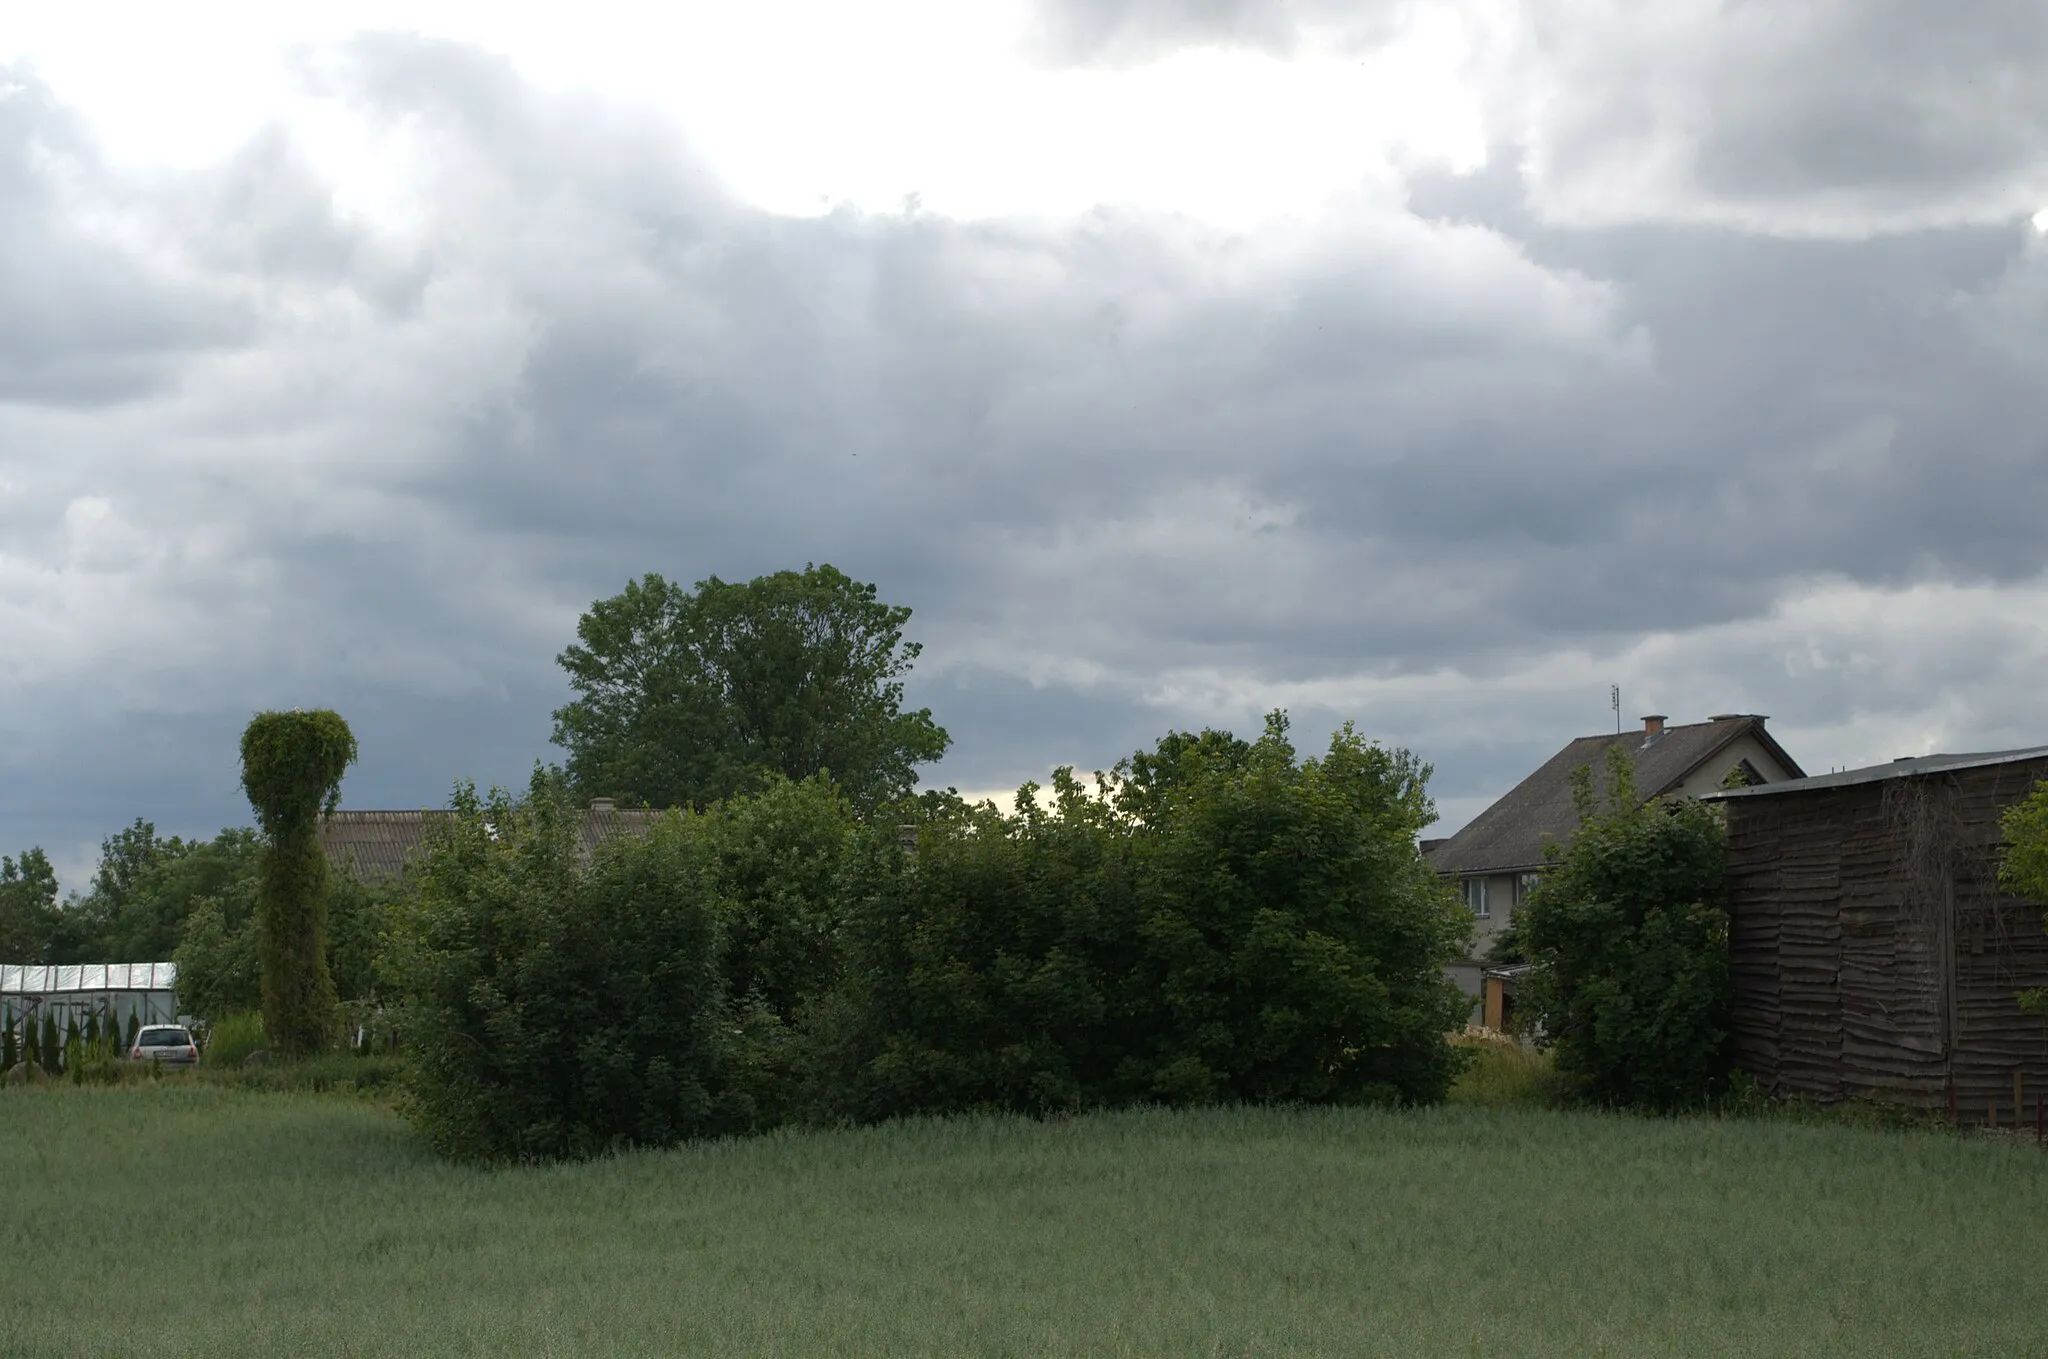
(188, 1220)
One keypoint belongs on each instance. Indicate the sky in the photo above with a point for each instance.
(1430, 366)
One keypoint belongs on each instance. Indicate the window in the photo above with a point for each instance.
(1475, 896)
(1525, 886)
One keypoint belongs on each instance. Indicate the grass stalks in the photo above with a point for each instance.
(287, 1225)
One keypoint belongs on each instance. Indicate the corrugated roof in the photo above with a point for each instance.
(1511, 834)
(379, 844)
(1914, 767)
(38, 979)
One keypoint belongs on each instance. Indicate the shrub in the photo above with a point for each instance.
(1294, 933)
(229, 1041)
(1228, 924)
(994, 971)
(93, 1061)
(555, 1009)
(1627, 935)
(52, 1056)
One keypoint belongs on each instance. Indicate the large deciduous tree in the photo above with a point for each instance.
(28, 907)
(686, 697)
(292, 765)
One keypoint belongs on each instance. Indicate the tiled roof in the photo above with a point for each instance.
(378, 844)
(1511, 834)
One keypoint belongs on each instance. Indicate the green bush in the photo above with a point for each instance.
(52, 1054)
(1627, 935)
(10, 1052)
(1229, 925)
(229, 1041)
(555, 1009)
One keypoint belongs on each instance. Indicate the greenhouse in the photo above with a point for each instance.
(141, 993)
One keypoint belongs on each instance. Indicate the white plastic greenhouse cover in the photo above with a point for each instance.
(36, 979)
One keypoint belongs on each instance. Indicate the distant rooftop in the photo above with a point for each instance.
(380, 844)
(1512, 833)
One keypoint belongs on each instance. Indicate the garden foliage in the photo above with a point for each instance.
(1230, 924)
(556, 1009)
(1628, 936)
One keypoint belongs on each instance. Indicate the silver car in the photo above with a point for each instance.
(167, 1044)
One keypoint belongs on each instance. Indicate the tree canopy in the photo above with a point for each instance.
(686, 697)
(28, 907)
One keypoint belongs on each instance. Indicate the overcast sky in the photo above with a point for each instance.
(1433, 366)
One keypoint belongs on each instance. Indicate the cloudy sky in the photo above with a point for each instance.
(1432, 365)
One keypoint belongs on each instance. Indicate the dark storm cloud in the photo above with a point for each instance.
(1440, 465)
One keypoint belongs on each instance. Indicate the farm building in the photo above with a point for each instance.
(1874, 953)
(113, 991)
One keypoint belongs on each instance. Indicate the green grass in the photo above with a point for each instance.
(187, 1219)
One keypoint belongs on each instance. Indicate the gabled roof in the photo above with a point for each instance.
(1511, 834)
(379, 844)
(1897, 769)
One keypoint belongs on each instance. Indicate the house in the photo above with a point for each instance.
(1874, 952)
(1498, 857)
(378, 845)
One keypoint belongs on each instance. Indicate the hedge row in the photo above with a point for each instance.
(1222, 922)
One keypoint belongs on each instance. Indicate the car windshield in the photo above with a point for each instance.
(166, 1038)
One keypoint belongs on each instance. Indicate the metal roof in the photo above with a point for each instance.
(37, 979)
(1913, 767)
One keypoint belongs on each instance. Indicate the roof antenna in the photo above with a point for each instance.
(1614, 701)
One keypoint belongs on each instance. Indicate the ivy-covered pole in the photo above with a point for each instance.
(292, 765)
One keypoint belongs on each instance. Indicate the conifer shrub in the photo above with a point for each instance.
(53, 1048)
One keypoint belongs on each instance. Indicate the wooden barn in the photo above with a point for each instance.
(1874, 954)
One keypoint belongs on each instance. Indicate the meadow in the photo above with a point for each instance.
(187, 1219)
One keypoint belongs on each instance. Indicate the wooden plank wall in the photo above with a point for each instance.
(2001, 948)
(1874, 956)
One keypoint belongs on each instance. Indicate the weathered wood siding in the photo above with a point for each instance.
(1874, 955)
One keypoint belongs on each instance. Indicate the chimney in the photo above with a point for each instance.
(600, 804)
(1653, 726)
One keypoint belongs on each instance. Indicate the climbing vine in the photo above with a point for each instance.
(292, 764)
